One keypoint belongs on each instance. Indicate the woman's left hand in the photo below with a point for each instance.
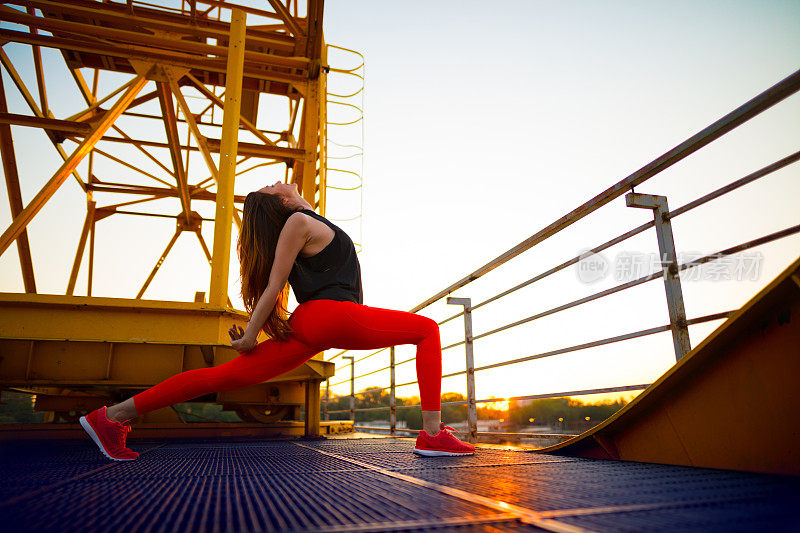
(240, 342)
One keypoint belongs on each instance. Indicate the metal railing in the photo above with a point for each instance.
(670, 271)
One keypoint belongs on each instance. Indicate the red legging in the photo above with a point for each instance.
(318, 325)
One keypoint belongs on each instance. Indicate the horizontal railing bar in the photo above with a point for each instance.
(769, 169)
(559, 436)
(601, 247)
(741, 247)
(388, 429)
(691, 264)
(577, 347)
(612, 242)
(360, 409)
(338, 354)
(357, 360)
(549, 436)
(565, 306)
(585, 392)
(743, 113)
(600, 342)
(565, 264)
(364, 375)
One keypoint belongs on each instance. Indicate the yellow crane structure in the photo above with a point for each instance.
(224, 58)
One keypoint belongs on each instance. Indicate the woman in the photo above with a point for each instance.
(283, 239)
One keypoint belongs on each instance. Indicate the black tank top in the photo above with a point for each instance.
(333, 273)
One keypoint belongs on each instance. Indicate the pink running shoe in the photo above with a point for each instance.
(443, 443)
(109, 435)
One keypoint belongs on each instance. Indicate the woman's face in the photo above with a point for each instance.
(284, 190)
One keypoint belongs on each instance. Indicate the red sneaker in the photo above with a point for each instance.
(109, 435)
(443, 443)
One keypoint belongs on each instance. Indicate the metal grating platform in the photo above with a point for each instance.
(371, 485)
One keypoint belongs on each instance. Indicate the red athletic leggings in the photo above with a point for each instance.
(318, 325)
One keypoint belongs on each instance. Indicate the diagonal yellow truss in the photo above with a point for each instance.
(205, 46)
(78, 352)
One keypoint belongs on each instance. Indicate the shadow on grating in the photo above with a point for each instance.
(213, 487)
(279, 486)
(595, 483)
(732, 516)
(29, 465)
(407, 460)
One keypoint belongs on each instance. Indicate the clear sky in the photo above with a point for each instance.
(483, 124)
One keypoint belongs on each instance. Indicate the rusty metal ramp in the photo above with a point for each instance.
(729, 403)
(371, 485)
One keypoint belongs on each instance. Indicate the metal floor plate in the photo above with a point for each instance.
(371, 485)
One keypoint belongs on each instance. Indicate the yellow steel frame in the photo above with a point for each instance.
(196, 47)
(205, 46)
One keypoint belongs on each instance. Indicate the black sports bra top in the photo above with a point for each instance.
(333, 273)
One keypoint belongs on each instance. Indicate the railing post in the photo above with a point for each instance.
(327, 398)
(392, 401)
(472, 407)
(352, 386)
(669, 262)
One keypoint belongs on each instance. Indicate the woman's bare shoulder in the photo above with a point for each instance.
(298, 217)
(305, 222)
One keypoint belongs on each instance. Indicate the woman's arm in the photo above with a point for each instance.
(293, 237)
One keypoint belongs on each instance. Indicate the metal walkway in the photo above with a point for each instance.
(371, 485)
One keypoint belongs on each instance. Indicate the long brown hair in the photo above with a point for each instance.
(263, 219)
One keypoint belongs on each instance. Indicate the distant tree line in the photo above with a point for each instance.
(18, 408)
(378, 397)
(545, 412)
(548, 411)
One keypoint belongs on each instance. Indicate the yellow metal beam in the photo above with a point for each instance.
(201, 140)
(323, 134)
(144, 53)
(83, 88)
(310, 142)
(37, 64)
(53, 317)
(215, 100)
(171, 129)
(21, 221)
(23, 89)
(132, 167)
(164, 45)
(220, 261)
(90, 273)
(140, 146)
(95, 103)
(14, 193)
(76, 265)
(287, 18)
(66, 126)
(112, 16)
(159, 263)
